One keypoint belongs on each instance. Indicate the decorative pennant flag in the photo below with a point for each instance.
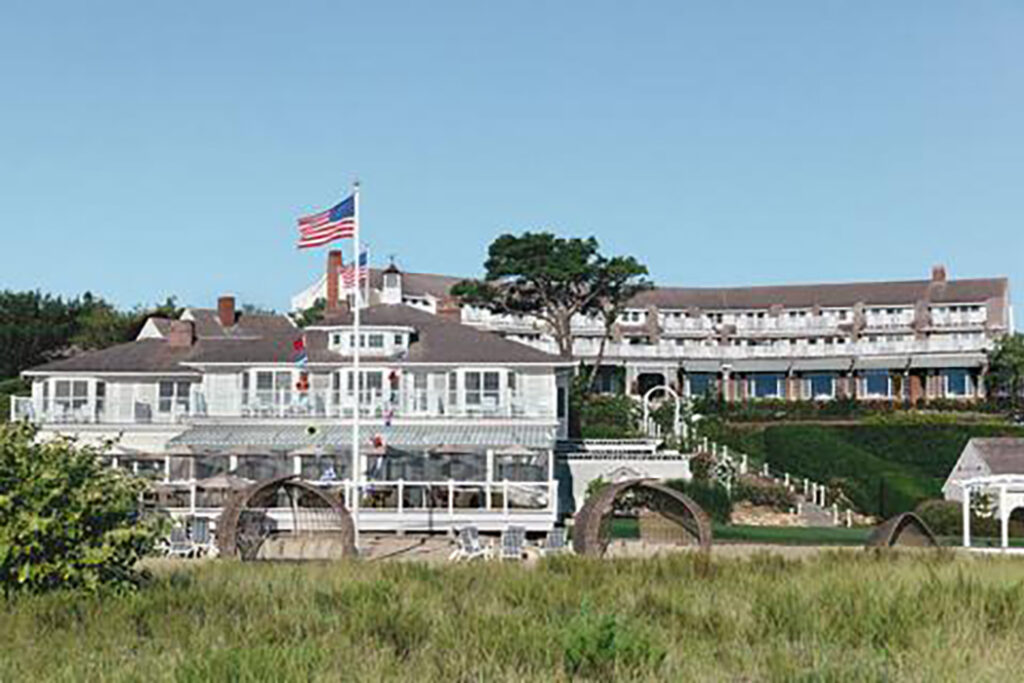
(337, 222)
(299, 345)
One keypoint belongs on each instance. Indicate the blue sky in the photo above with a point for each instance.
(149, 149)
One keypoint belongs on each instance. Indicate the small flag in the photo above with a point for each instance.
(348, 277)
(299, 345)
(337, 222)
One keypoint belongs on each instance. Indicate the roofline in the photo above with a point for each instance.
(116, 373)
(387, 361)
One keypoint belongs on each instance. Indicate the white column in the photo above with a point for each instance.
(966, 515)
(1004, 518)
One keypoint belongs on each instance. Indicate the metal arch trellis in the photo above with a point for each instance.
(244, 523)
(590, 532)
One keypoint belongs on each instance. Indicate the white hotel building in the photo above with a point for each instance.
(457, 425)
(891, 341)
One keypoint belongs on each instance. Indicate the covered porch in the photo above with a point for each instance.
(422, 478)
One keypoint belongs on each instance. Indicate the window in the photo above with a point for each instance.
(399, 340)
(482, 388)
(702, 383)
(376, 341)
(766, 385)
(876, 382)
(245, 388)
(336, 340)
(101, 398)
(264, 387)
(70, 395)
(957, 382)
(822, 385)
(560, 397)
(174, 396)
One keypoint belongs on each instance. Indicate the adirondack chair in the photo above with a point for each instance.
(468, 546)
(179, 543)
(556, 543)
(201, 537)
(513, 543)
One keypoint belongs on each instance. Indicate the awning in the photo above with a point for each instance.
(882, 363)
(702, 365)
(948, 361)
(761, 365)
(822, 364)
(262, 438)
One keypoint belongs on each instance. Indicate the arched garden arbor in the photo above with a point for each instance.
(673, 517)
(286, 518)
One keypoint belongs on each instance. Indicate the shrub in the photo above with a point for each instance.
(598, 646)
(712, 497)
(760, 492)
(945, 518)
(607, 417)
(66, 521)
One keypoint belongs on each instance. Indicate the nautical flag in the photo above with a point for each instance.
(302, 358)
(337, 222)
(348, 275)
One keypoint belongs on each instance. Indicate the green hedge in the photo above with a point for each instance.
(713, 498)
(933, 449)
(873, 484)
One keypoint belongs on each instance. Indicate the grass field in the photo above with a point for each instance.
(847, 615)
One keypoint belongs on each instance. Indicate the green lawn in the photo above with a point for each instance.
(836, 617)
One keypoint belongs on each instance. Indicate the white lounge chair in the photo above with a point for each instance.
(179, 544)
(468, 546)
(513, 543)
(556, 543)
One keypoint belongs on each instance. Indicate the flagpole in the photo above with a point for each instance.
(356, 383)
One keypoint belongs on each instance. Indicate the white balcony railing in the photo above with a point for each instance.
(385, 404)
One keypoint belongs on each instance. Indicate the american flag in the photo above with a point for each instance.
(337, 222)
(348, 275)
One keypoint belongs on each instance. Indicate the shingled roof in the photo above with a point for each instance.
(1002, 455)
(143, 355)
(263, 340)
(826, 295)
(439, 339)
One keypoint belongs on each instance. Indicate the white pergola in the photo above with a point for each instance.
(1009, 492)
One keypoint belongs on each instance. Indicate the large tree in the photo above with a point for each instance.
(554, 279)
(1006, 368)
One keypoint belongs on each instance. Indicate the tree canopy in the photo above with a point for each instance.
(554, 279)
(35, 327)
(1006, 368)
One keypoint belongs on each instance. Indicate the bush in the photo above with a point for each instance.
(945, 518)
(712, 497)
(66, 521)
(599, 646)
(607, 417)
(760, 492)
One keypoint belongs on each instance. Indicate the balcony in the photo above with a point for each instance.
(668, 349)
(384, 404)
(92, 411)
(286, 404)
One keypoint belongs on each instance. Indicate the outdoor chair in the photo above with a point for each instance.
(556, 542)
(180, 545)
(202, 540)
(513, 543)
(468, 546)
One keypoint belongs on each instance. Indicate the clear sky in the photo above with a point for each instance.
(149, 149)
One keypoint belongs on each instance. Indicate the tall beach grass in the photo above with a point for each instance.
(841, 616)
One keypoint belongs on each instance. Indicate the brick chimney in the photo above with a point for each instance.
(938, 273)
(181, 334)
(333, 272)
(226, 310)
